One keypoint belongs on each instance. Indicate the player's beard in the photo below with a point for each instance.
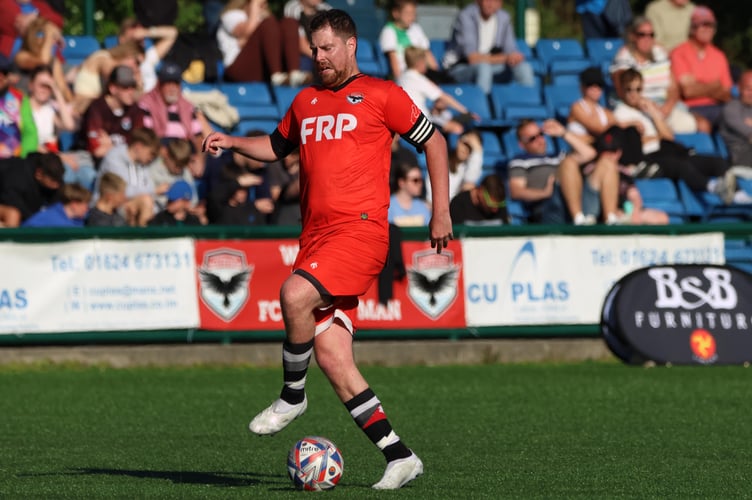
(332, 78)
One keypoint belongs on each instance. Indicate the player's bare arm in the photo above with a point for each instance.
(438, 171)
(258, 148)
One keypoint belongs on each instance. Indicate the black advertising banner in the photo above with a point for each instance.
(681, 314)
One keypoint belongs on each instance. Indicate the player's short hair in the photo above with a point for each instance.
(340, 21)
(111, 183)
(414, 55)
(74, 192)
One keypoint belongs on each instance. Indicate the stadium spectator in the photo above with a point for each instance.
(177, 211)
(671, 21)
(170, 166)
(422, 91)
(98, 68)
(42, 46)
(702, 69)
(131, 162)
(588, 118)
(284, 186)
(302, 11)
(257, 47)
(603, 18)
(16, 18)
(345, 232)
(111, 118)
(27, 185)
(465, 165)
(212, 10)
(111, 198)
(70, 211)
(700, 172)
(483, 48)
(641, 52)
(163, 36)
(151, 13)
(401, 32)
(532, 174)
(230, 203)
(18, 132)
(736, 123)
(484, 204)
(406, 205)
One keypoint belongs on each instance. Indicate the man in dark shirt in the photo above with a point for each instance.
(176, 212)
(111, 118)
(485, 204)
(27, 185)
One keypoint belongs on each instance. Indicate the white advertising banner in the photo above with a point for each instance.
(545, 280)
(96, 285)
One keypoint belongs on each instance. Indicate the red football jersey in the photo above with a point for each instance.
(345, 138)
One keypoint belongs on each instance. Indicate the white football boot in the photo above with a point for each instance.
(400, 472)
(276, 417)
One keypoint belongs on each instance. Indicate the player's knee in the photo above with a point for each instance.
(297, 294)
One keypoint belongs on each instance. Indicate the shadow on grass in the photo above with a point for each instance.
(223, 479)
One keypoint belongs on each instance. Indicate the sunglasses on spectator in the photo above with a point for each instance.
(414, 180)
(634, 89)
(645, 34)
(532, 138)
(491, 203)
(705, 24)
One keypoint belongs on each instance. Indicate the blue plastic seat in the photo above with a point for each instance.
(283, 96)
(253, 100)
(568, 66)
(701, 142)
(538, 67)
(557, 49)
(600, 50)
(475, 100)
(245, 126)
(503, 96)
(79, 47)
(559, 98)
(438, 48)
(661, 194)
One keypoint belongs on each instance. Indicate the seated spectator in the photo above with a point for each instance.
(111, 198)
(671, 20)
(27, 185)
(70, 211)
(588, 118)
(256, 47)
(484, 204)
(642, 53)
(422, 90)
(171, 166)
(406, 205)
(42, 46)
(602, 18)
(111, 118)
(230, 203)
(402, 32)
(164, 38)
(16, 18)
(532, 174)
(702, 69)
(284, 187)
(177, 211)
(478, 54)
(465, 165)
(303, 11)
(171, 115)
(18, 132)
(131, 162)
(99, 67)
(736, 123)
(700, 172)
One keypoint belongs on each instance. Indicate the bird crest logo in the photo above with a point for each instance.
(432, 281)
(225, 276)
(356, 98)
(703, 346)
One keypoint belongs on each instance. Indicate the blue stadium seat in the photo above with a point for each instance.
(283, 96)
(245, 126)
(252, 100)
(505, 95)
(720, 146)
(566, 79)
(368, 59)
(438, 48)
(557, 49)
(517, 113)
(538, 67)
(110, 41)
(568, 67)
(198, 87)
(738, 253)
(475, 100)
(559, 98)
(79, 47)
(517, 211)
(600, 50)
(16, 47)
(661, 194)
(701, 142)
(493, 154)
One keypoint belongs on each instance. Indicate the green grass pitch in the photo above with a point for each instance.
(584, 430)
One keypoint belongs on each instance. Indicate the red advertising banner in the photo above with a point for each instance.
(238, 287)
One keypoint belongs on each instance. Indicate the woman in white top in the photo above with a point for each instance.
(587, 117)
(642, 53)
(402, 32)
(465, 165)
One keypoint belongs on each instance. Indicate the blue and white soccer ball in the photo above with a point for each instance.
(314, 464)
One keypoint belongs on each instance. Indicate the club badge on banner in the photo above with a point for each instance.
(239, 281)
(564, 279)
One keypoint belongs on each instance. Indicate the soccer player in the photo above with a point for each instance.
(344, 129)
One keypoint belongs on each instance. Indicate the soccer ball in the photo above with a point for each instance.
(314, 464)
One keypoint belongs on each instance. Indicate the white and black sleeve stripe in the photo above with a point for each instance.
(420, 132)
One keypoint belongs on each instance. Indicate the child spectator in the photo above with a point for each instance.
(421, 90)
(177, 213)
(403, 32)
(105, 212)
(484, 204)
(70, 211)
(18, 132)
(171, 166)
(465, 165)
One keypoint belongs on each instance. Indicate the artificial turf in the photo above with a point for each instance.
(586, 430)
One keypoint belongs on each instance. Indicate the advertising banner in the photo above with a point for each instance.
(94, 285)
(564, 279)
(239, 282)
